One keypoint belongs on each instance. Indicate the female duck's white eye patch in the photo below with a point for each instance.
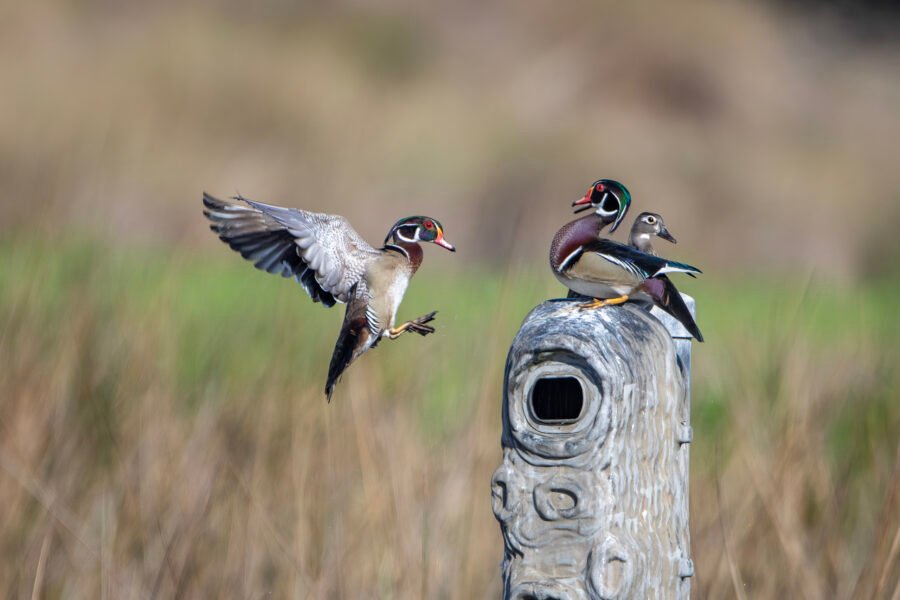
(651, 220)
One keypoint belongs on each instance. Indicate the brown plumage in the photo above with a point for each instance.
(646, 226)
(571, 237)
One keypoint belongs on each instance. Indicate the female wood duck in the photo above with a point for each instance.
(645, 227)
(333, 264)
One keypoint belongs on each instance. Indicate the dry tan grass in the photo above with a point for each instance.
(124, 476)
(113, 487)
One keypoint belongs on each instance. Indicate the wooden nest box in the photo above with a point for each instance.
(592, 493)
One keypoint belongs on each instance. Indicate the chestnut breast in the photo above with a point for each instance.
(571, 237)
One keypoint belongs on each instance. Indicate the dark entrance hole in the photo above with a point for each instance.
(557, 400)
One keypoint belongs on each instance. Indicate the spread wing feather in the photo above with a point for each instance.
(323, 252)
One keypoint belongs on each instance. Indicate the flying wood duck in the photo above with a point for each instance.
(333, 263)
(645, 227)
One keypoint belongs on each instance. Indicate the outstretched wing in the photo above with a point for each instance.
(323, 252)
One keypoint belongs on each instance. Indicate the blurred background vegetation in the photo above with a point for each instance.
(162, 427)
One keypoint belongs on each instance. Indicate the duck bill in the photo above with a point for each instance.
(445, 244)
(583, 204)
(664, 234)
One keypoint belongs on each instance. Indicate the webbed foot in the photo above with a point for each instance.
(597, 303)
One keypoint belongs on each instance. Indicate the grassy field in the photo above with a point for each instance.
(163, 430)
(163, 433)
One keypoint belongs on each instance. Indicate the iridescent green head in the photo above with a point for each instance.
(419, 229)
(609, 199)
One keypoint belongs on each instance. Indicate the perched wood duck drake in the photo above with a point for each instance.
(607, 271)
(610, 201)
(333, 264)
(645, 227)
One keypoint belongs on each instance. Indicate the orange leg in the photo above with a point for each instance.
(397, 331)
(416, 325)
(597, 303)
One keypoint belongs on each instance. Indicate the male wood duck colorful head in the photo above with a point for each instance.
(646, 226)
(333, 264)
(609, 199)
(418, 229)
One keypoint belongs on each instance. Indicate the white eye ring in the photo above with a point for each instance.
(651, 220)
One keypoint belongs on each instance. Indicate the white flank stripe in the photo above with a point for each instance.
(570, 258)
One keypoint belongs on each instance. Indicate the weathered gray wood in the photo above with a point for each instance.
(597, 507)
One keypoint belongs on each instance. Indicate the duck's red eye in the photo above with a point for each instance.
(429, 225)
(599, 187)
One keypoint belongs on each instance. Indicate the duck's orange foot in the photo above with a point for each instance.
(597, 303)
(416, 326)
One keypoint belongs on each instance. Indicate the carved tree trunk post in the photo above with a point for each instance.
(592, 494)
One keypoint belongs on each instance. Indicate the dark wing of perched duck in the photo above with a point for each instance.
(623, 267)
(657, 285)
(632, 262)
(666, 296)
(323, 252)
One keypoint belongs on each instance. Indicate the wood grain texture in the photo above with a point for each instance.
(597, 507)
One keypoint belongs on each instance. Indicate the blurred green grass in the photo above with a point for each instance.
(222, 323)
(798, 375)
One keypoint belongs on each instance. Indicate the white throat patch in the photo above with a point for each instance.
(600, 211)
